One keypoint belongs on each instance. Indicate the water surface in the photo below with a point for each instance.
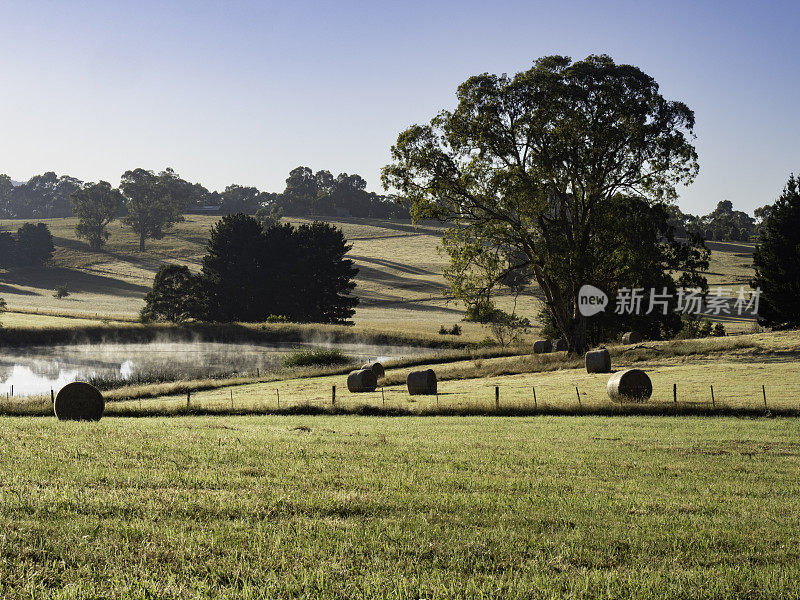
(36, 370)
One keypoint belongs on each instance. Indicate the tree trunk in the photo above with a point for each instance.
(576, 336)
(141, 242)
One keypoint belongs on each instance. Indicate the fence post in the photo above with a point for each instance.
(497, 397)
(764, 392)
(713, 403)
(188, 398)
(383, 398)
(278, 392)
(52, 396)
(579, 396)
(333, 395)
(231, 398)
(534, 397)
(675, 393)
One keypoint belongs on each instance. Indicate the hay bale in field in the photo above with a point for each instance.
(631, 385)
(363, 380)
(421, 383)
(632, 337)
(559, 345)
(598, 361)
(376, 368)
(79, 401)
(542, 347)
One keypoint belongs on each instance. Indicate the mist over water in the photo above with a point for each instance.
(36, 370)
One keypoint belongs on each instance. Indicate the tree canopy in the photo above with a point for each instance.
(153, 202)
(250, 273)
(526, 168)
(174, 297)
(96, 205)
(777, 260)
(34, 244)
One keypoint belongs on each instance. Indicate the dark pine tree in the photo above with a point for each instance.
(232, 274)
(777, 260)
(324, 275)
(251, 273)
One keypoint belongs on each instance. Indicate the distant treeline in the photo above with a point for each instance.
(306, 194)
(722, 224)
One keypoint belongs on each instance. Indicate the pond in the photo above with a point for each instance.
(36, 370)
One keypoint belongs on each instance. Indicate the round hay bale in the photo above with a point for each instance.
(79, 401)
(559, 345)
(421, 383)
(598, 361)
(632, 337)
(376, 368)
(631, 385)
(363, 380)
(542, 347)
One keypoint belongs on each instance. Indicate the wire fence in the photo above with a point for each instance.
(455, 397)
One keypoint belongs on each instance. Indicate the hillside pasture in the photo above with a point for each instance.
(400, 281)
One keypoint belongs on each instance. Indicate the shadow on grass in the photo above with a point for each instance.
(609, 410)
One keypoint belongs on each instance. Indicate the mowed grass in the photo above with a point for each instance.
(357, 507)
(400, 282)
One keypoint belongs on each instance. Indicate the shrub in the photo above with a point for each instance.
(455, 329)
(705, 328)
(316, 356)
(719, 330)
(276, 319)
(61, 292)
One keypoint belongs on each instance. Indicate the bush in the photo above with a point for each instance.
(276, 319)
(719, 330)
(61, 292)
(706, 328)
(316, 356)
(454, 330)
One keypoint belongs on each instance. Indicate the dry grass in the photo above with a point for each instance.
(400, 282)
(736, 366)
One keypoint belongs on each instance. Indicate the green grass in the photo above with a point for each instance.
(355, 507)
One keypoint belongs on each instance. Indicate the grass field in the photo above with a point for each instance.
(737, 368)
(400, 281)
(501, 501)
(357, 507)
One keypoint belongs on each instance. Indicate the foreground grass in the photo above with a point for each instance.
(354, 507)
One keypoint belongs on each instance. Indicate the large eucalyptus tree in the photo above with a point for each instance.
(527, 170)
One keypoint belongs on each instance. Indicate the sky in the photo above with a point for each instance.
(242, 92)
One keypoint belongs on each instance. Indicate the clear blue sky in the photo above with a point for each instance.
(241, 92)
